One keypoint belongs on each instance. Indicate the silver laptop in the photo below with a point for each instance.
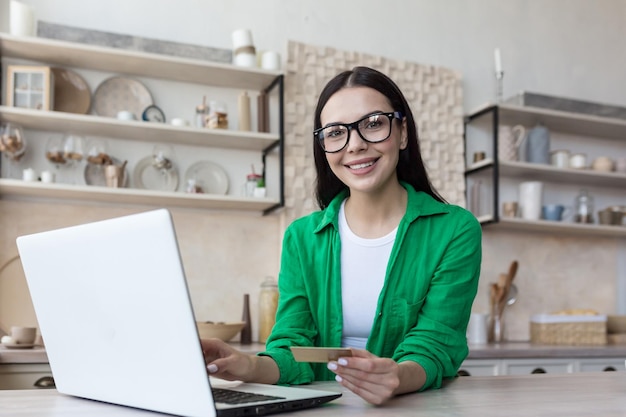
(114, 311)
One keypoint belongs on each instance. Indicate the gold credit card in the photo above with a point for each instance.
(319, 354)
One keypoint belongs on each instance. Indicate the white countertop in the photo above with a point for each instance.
(547, 395)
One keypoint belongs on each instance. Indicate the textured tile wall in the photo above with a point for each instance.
(435, 96)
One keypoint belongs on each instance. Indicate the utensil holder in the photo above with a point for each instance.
(496, 328)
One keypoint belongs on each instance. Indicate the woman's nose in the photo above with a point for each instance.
(355, 141)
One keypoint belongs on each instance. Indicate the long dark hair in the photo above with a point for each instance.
(410, 164)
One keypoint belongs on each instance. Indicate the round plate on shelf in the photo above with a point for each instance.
(209, 176)
(117, 94)
(71, 92)
(147, 176)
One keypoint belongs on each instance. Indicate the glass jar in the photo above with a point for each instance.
(268, 303)
(583, 207)
(218, 116)
(252, 181)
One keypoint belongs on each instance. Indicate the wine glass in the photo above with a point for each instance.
(54, 153)
(73, 153)
(97, 159)
(12, 144)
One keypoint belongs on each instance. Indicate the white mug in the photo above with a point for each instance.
(531, 199)
(560, 158)
(47, 176)
(270, 60)
(578, 161)
(477, 329)
(21, 19)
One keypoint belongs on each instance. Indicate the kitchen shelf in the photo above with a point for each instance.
(119, 61)
(541, 172)
(481, 133)
(134, 63)
(545, 226)
(136, 130)
(18, 188)
(556, 120)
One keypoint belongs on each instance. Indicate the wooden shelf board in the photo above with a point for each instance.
(136, 130)
(542, 172)
(545, 226)
(11, 187)
(69, 54)
(562, 121)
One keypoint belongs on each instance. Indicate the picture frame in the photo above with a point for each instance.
(30, 87)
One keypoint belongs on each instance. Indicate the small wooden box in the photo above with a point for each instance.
(30, 87)
(553, 329)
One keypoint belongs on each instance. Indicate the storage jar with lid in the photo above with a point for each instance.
(268, 303)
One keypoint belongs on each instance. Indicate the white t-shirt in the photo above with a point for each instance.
(363, 269)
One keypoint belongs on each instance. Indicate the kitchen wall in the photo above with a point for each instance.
(571, 48)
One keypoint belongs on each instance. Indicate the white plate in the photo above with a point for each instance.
(151, 178)
(209, 176)
(119, 93)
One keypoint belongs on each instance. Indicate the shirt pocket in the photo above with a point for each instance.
(404, 315)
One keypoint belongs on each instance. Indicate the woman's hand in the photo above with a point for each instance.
(224, 361)
(375, 379)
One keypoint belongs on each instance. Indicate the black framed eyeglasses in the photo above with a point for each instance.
(373, 128)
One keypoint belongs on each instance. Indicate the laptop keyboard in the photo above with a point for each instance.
(229, 396)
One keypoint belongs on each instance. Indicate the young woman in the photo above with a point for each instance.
(386, 267)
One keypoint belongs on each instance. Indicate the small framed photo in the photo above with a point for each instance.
(30, 87)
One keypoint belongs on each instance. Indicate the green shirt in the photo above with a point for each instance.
(423, 307)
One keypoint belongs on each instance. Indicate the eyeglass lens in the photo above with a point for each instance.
(374, 128)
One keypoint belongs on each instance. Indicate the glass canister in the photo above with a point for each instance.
(583, 207)
(268, 303)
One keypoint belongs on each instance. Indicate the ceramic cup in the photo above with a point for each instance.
(560, 158)
(477, 329)
(509, 209)
(21, 19)
(270, 60)
(47, 176)
(578, 161)
(530, 199)
(23, 335)
(553, 212)
(125, 115)
(29, 174)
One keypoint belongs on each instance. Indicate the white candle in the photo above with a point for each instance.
(498, 59)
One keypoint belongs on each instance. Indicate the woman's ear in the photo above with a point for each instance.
(404, 140)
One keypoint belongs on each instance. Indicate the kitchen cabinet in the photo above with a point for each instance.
(491, 181)
(525, 366)
(23, 375)
(160, 67)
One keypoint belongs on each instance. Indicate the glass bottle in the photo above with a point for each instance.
(583, 207)
(268, 303)
(201, 113)
(246, 332)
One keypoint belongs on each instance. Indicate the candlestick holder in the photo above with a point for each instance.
(499, 85)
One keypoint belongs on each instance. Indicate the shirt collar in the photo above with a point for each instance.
(419, 204)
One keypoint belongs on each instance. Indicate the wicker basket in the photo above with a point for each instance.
(568, 330)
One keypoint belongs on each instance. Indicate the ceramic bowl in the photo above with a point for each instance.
(616, 324)
(602, 163)
(219, 330)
